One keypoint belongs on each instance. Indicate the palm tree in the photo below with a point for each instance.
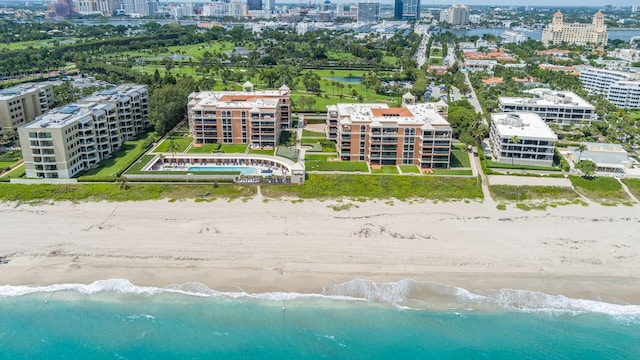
(173, 147)
(581, 148)
(513, 140)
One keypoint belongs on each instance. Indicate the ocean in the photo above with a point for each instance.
(113, 319)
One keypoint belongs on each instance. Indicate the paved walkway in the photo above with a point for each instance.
(528, 181)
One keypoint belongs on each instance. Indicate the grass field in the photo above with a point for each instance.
(110, 168)
(318, 162)
(459, 158)
(633, 185)
(445, 172)
(599, 188)
(181, 142)
(409, 169)
(211, 148)
(306, 134)
(262, 152)
(389, 169)
(497, 165)
(379, 187)
(436, 61)
(16, 173)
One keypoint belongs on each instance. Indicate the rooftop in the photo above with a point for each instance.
(9, 93)
(524, 125)
(425, 114)
(239, 99)
(61, 117)
(547, 97)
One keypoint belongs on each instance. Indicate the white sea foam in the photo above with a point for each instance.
(405, 294)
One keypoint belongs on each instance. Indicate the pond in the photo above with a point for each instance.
(349, 79)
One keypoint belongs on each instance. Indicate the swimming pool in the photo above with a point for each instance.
(244, 170)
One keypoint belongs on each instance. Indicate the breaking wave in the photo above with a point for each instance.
(406, 293)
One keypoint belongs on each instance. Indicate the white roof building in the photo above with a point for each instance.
(522, 138)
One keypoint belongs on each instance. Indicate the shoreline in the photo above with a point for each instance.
(278, 246)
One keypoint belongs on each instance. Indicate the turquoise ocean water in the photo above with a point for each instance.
(114, 319)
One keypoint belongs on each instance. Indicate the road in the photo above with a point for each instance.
(421, 54)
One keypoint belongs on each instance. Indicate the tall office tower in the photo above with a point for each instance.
(270, 5)
(458, 15)
(254, 4)
(397, 10)
(368, 12)
(406, 10)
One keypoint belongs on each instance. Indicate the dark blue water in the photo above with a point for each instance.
(107, 321)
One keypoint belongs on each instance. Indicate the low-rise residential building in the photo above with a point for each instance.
(522, 138)
(239, 117)
(22, 103)
(561, 107)
(66, 141)
(609, 158)
(414, 134)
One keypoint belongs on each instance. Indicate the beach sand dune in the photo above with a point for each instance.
(587, 252)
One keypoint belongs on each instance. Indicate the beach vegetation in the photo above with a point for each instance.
(600, 189)
(501, 206)
(115, 192)
(379, 187)
(521, 193)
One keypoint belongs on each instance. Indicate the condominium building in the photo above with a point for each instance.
(522, 138)
(104, 7)
(239, 117)
(559, 32)
(254, 4)
(619, 87)
(68, 140)
(22, 103)
(132, 102)
(414, 134)
(458, 15)
(368, 12)
(561, 107)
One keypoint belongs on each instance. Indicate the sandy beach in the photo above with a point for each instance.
(588, 252)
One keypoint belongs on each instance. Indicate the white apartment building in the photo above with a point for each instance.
(22, 103)
(561, 107)
(522, 138)
(619, 87)
(104, 7)
(559, 32)
(68, 140)
(511, 37)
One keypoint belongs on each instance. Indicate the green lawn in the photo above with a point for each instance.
(436, 61)
(389, 169)
(633, 185)
(355, 166)
(312, 134)
(409, 169)
(380, 187)
(520, 193)
(225, 148)
(136, 168)
(262, 152)
(16, 173)
(497, 165)
(435, 51)
(599, 188)
(181, 141)
(113, 192)
(108, 169)
(459, 158)
(6, 164)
